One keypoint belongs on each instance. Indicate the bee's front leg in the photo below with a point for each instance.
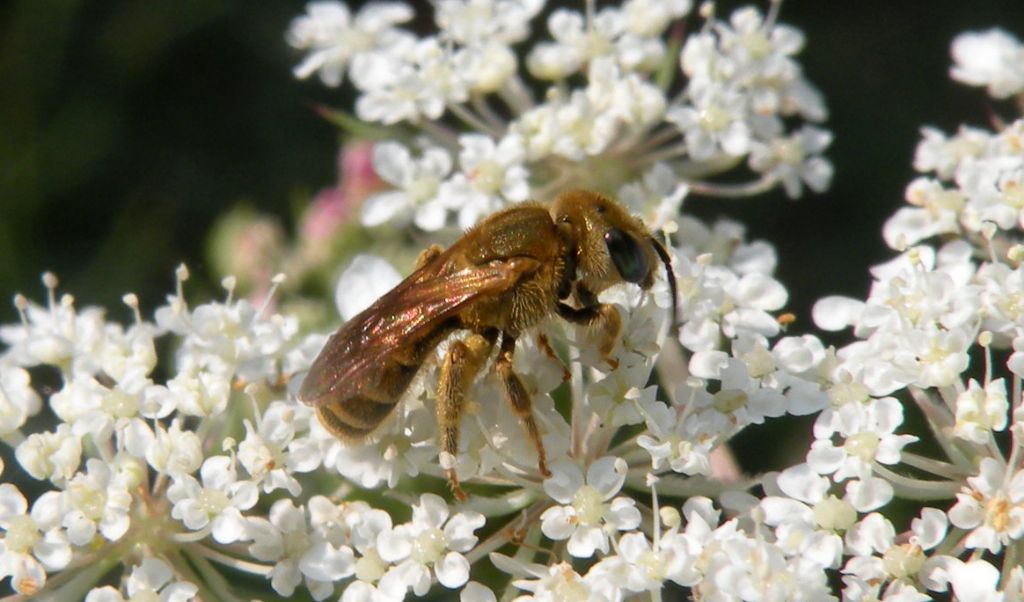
(602, 316)
(460, 367)
(519, 398)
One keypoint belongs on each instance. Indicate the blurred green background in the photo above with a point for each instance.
(127, 127)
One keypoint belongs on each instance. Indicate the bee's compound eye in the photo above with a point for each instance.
(627, 256)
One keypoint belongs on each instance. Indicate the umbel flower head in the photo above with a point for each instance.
(170, 483)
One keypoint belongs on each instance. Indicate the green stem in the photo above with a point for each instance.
(505, 534)
(674, 485)
(79, 583)
(917, 489)
(940, 421)
(473, 120)
(211, 577)
(734, 191)
(232, 562)
(945, 470)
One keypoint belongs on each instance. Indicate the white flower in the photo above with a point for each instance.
(478, 22)
(617, 398)
(174, 451)
(741, 398)
(683, 440)
(198, 392)
(32, 543)
(624, 96)
(297, 552)
(57, 334)
(935, 212)
(492, 175)
(400, 447)
(434, 539)
(657, 197)
(487, 68)
(638, 566)
(557, 582)
(795, 160)
(977, 581)
(217, 502)
(994, 59)
(333, 37)
(53, 456)
(415, 82)
(807, 522)
(918, 323)
(865, 435)
(18, 400)
(981, 411)
(364, 281)
(588, 513)
(649, 18)
(367, 528)
(877, 555)
(96, 500)
(418, 181)
(271, 452)
(150, 580)
(569, 126)
(125, 352)
(991, 506)
(578, 41)
(740, 567)
(943, 155)
(715, 123)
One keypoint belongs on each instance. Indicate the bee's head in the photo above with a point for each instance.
(612, 246)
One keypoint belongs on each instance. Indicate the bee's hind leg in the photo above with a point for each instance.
(519, 398)
(460, 367)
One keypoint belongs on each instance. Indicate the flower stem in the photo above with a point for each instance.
(212, 578)
(917, 489)
(230, 561)
(734, 191)
(942, 469)
(507, 533)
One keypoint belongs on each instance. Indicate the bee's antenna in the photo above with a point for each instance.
(667, 260)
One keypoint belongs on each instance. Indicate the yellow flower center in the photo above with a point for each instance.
(903, 561)
(713, 118)
(589, 506)
(862, 445)
(833, 514)
(22, 534)
(370, 567)
(428, 546)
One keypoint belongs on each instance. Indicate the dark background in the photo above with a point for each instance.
(127, 127)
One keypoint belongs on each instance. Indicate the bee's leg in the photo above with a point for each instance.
(602, 316)
(519, 398)
(461, 365)
(428, 254)
(545, 346)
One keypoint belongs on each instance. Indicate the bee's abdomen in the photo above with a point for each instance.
(353, 418)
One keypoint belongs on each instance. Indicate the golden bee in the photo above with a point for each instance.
(503, 276)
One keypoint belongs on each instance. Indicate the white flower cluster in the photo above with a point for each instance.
(932, 312)
(611, 101)
(165, 473)
(149, 474)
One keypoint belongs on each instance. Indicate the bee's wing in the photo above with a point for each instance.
(355, 356)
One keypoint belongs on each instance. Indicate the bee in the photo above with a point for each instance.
(505, 275)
